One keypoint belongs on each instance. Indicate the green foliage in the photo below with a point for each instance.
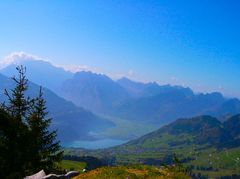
(44, 147)
(26, 144)
(178, 164)
(72, 165)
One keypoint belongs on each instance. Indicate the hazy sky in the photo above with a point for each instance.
(194, 43)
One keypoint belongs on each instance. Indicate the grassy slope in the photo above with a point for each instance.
(133, 172)
(185, 141)
(223, 162)
(72, 165)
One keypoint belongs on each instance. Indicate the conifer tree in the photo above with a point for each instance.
(26, 143)
(16, 137)
(45, 149)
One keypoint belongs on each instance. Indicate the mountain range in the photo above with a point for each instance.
(149, 104)
(72, 122)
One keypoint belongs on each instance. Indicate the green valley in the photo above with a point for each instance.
(204, 145)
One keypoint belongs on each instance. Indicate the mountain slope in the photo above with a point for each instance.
(202, 130)
(227, 109)
(203, 144)
(73, 123)
(95, 92)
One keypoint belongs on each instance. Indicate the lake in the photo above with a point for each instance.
(97, 144)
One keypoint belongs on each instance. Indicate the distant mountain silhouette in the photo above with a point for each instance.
(135, 89)
(143, 102)
(227, 109)
(139, 89)
(95, 92)
(170, 104)
(72, 122)
(40, 72)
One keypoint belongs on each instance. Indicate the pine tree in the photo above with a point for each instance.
(16, 137)
(18, 104)
(45, 149)
(26, 143)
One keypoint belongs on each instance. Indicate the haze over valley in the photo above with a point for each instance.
(111, 112)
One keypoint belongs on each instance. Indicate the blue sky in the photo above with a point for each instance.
(192, 43)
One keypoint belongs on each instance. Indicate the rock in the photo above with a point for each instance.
(38, 175)
(42, 175)
(54, 176)
(71, 174)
